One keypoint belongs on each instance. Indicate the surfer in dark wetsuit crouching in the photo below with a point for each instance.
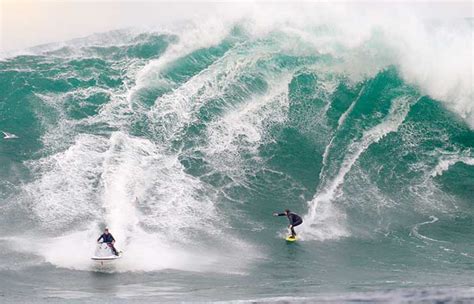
(294, 219)
(109, 240)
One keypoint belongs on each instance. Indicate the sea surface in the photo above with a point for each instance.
(184, 140)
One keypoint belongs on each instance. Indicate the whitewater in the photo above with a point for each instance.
(183, 138)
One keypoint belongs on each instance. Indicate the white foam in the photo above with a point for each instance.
(416, 233)
(174, 110)
(64, 189)
(439, 59)
(324, 220)
(241, 128)
(108, 181)
(432, 51)
(146, 252)
(340, 123)
(194, 35)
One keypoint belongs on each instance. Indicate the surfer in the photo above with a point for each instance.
(109, 240)
(294, 219)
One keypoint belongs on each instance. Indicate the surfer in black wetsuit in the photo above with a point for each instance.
(109, 240)
(294, 219)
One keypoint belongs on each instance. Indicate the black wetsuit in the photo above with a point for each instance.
(294, 219)
(108, 238)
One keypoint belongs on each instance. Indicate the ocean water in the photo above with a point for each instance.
(184, 141)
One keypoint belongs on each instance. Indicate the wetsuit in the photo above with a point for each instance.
(108, 239)
(294, 219)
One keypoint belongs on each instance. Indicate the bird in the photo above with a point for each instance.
(7, 135)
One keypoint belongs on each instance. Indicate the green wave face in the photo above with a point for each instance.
(192, 147)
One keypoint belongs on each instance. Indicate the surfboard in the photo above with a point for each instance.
(291, 239)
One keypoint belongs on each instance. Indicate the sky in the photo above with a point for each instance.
(26, 23)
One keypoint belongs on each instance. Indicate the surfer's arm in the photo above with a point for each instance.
(279, 214)
(98, 240)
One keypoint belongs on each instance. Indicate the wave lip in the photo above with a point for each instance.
(446, 162)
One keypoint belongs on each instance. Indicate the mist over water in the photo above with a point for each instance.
(183, 139)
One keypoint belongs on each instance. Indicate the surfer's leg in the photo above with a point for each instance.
(293, 233)
(113, 248)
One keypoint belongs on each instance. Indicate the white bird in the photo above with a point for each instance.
(7, 135)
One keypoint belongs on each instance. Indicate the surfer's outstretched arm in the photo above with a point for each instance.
(279, 214)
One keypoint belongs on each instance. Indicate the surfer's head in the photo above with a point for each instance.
(287, 211)
(106, 229)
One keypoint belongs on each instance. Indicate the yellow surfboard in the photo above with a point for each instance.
(291, 238)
